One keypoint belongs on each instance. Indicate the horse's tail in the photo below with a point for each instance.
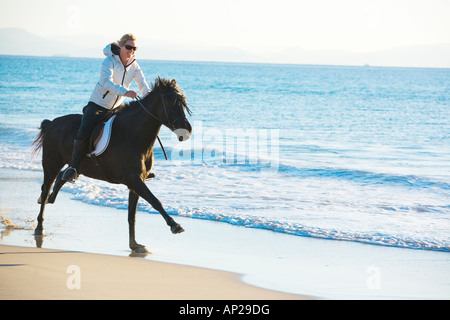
(40, 138)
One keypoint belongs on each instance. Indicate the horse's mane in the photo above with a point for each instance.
(161, 86)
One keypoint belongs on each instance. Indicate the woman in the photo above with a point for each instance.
(119, 69)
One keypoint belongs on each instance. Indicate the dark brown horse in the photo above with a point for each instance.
(129, 157)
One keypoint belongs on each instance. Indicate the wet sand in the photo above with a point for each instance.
(35, 273)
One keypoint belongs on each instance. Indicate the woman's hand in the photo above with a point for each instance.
(131, 94)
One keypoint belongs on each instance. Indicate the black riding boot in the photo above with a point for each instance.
(79, 150)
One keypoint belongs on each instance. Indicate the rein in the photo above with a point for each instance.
(138, 99)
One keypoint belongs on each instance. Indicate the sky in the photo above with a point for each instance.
(252, 25)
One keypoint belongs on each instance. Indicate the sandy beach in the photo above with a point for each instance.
(211, 260)
(34, 273)
(29, 272)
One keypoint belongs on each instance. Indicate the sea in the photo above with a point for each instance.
(344, 153)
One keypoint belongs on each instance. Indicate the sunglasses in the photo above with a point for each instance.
(128, 47)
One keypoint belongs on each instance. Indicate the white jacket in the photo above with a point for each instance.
(115, 79)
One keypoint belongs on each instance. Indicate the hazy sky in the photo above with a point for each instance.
(254, 25)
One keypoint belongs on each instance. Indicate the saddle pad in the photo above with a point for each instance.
(103, 142)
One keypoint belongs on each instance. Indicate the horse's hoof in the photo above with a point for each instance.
(176, 228)
(39, 241)
(139, 249)
(38, 232)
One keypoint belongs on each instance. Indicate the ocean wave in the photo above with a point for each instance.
(333, 234)
(253, 163)
(110, 196)
(14, 155)
(364, 177)
(114, 196)
(16, 136)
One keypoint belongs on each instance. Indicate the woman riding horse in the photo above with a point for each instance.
(118, 70)
(128, 160)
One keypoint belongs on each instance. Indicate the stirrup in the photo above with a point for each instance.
(72, 177)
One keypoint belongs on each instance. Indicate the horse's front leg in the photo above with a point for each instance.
(138, 186)
(132, 206)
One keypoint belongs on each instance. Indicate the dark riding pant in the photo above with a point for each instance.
(93, 114)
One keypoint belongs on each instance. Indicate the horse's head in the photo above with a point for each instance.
(173, 108)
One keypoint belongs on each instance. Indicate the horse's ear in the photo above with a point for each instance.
(174, 82)
(162, 82)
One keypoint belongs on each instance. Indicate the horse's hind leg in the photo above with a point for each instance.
(51, 170)
(39, 231)
(58, 185)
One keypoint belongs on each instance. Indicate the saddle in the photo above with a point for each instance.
(100, 138)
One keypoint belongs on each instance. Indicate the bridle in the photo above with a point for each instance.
(168, 123)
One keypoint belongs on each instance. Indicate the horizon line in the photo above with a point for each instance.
(62, 56)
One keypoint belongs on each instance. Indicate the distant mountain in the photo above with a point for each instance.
(21, 42)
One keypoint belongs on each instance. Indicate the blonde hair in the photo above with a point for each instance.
(125, 38)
